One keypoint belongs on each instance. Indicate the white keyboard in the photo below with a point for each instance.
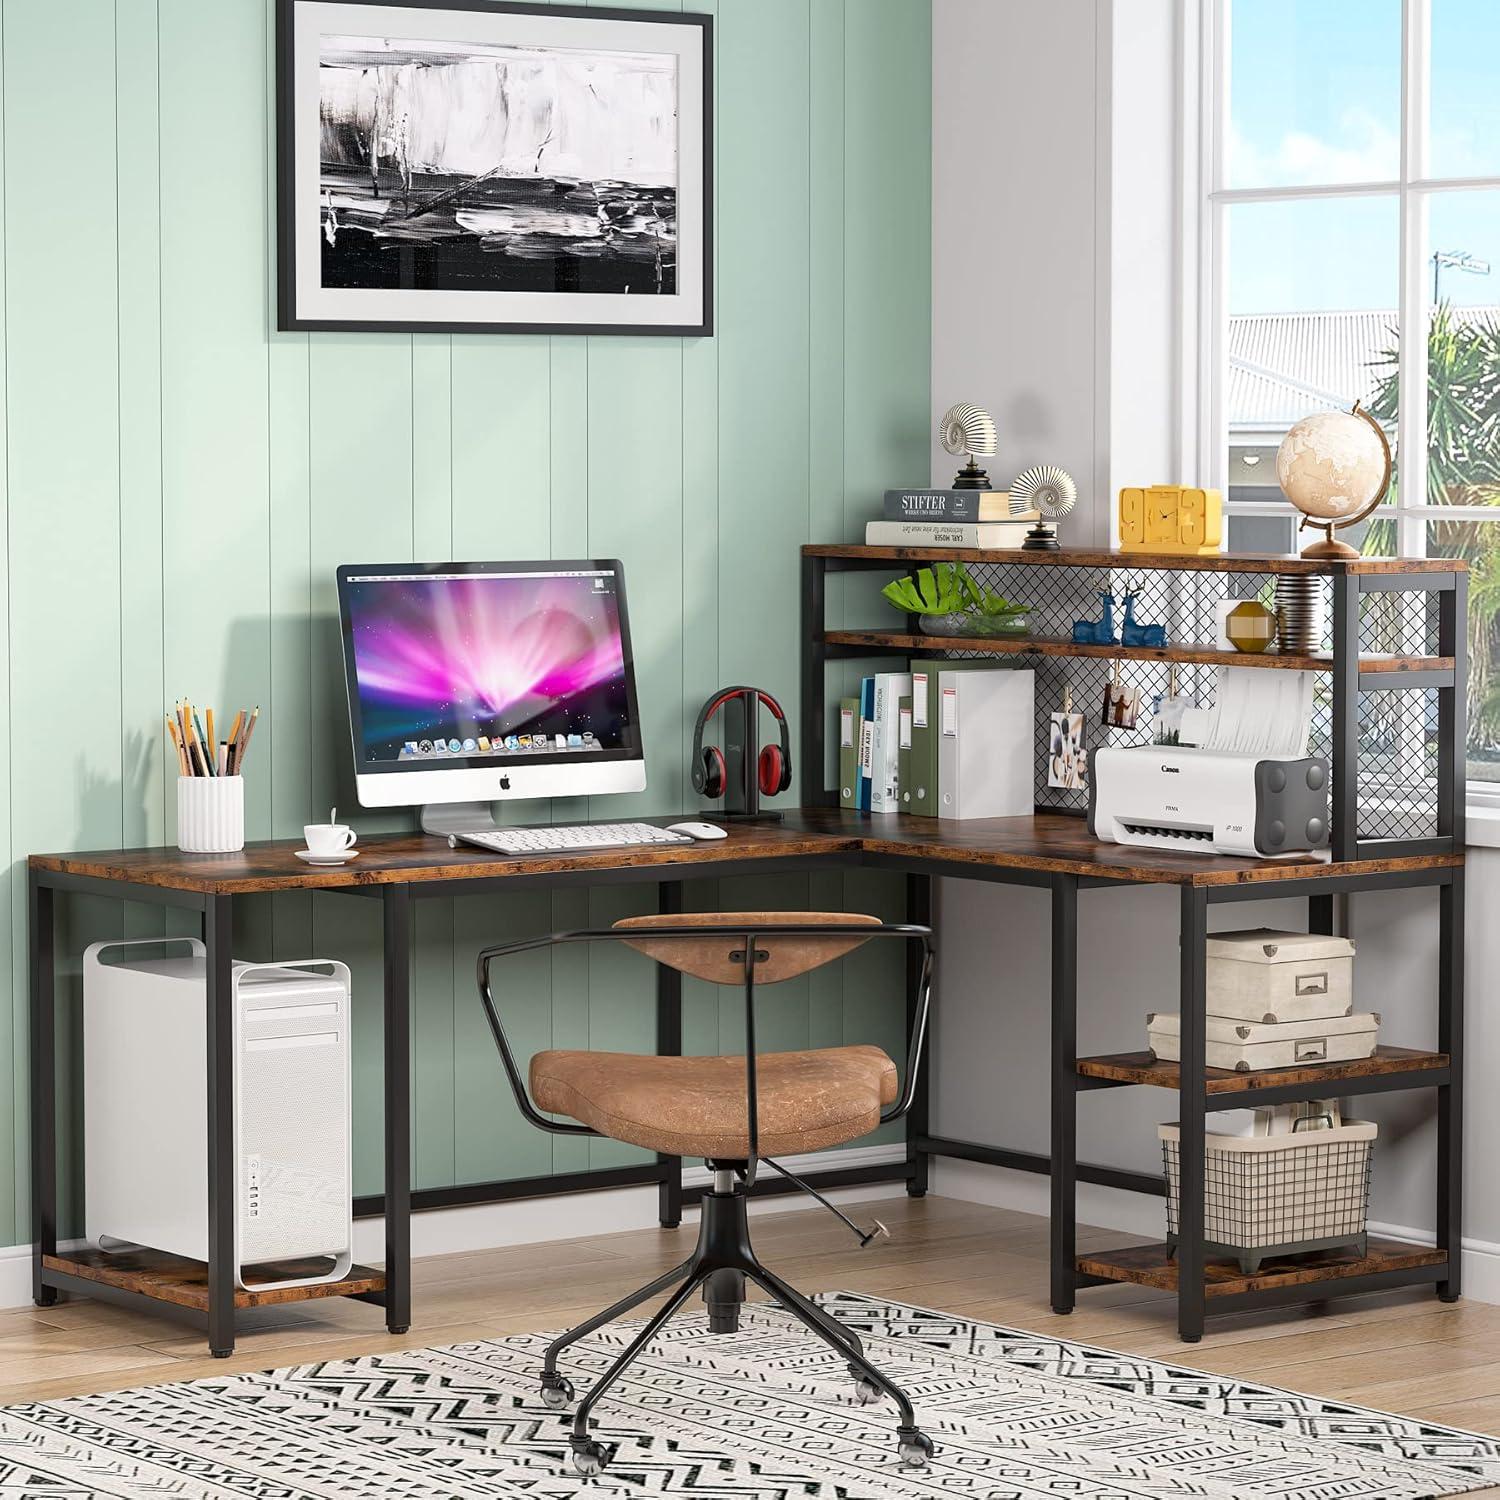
(568, 840)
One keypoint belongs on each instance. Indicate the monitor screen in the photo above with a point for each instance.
(487, 664)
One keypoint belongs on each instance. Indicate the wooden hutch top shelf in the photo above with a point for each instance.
(1107, 557)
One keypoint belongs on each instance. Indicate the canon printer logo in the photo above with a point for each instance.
(1172, 770)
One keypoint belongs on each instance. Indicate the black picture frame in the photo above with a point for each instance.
(288, 317)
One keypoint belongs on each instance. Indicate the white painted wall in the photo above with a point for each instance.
(1018, 254)
(1057, 226)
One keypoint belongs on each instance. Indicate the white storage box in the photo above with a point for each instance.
(146, 1108)
(1279, 1194)
(1246, 1047)
(1279, 976)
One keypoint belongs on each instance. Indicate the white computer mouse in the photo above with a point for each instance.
(702, 831)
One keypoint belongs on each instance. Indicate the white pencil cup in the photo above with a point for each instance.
(210, 814)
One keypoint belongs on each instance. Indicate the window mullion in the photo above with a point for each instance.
(1411, 426)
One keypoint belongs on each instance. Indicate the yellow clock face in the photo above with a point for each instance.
(1162, 514)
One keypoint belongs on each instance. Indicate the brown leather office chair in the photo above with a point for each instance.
(734, 1112)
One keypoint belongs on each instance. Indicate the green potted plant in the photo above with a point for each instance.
(950, 602)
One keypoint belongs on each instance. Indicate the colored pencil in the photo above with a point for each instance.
(204, 744)
(245, 742)
(233, 760)
(176, 739)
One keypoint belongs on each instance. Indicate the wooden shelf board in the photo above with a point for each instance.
(1148, 1265)
(1144, 1068)
(1103, 557)
(1206, 655)
(171, 1278)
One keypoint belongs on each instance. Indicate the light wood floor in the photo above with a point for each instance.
(1403, 1352)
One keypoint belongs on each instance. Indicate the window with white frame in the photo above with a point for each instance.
(1351, 252)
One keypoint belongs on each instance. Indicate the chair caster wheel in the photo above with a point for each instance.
(557, 1393)
(589, 1457)
(866, 1392)
(916, 1448)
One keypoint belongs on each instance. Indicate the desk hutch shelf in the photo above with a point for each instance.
(1388, 715)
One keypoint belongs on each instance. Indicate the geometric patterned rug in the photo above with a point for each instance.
(764, 1414)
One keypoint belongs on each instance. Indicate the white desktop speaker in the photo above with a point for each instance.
(146, 1099)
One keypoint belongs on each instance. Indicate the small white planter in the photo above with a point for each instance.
(210, 814)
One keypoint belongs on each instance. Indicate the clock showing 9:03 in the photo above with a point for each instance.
(1171, 518)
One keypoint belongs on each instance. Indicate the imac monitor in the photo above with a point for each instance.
(472, 682)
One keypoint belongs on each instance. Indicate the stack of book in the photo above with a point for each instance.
(949, 739)
(950, 518)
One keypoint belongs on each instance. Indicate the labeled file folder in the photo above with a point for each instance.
(922, 779)
(849, 752)
(985, 743)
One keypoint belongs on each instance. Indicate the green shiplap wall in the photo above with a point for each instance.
(180, 481)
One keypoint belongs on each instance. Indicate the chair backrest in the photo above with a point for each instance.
(709, 957)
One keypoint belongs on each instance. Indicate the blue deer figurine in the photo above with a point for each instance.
(1135, 634)
(1100, 632)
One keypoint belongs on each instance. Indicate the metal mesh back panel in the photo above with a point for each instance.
(1398, 726)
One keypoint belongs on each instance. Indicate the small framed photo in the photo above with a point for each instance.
(467, 166)
(1067, 760)
(1122, 703)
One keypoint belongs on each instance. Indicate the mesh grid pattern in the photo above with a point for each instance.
(1315, 1188)
(1397, 739)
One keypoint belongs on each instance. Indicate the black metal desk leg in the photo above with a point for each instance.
(918, 1121)
(43, 1085)
(396, 923)
(218, 939)
(1064, 1090)
(1192, 1103)
(669, 1044)
(1450, 1191)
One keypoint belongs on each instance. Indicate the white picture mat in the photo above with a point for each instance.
(314, 302)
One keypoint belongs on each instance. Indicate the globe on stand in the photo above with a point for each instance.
(1335, 467)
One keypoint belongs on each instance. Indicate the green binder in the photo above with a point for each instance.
(923, 780)
(848, 725)
(903, 755)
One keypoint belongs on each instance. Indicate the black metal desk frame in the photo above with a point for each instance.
(398, 1200)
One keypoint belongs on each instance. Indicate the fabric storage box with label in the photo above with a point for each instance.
(1277, 1194)
(1245, 1046)
(1279, 976)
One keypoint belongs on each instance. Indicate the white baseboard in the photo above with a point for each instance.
(525, 1221)
(1135, 1213)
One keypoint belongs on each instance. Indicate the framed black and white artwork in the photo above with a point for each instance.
(462, 166)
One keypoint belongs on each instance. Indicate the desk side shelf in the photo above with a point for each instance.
(1394, 630)
(184, 1283)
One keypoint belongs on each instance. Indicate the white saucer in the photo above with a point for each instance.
(309, 858)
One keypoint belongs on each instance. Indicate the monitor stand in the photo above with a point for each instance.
(442, 819)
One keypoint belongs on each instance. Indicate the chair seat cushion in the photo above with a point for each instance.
(695, 1106)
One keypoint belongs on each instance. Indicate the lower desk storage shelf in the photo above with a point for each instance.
(1266, 1196)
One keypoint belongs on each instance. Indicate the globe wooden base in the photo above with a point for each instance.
(1328, 548)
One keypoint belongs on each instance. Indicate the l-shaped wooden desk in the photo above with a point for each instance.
(1051, 851)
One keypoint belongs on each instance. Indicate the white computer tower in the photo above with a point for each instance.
(146, 1099)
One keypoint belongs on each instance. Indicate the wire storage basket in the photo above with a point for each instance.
(1279, 1194)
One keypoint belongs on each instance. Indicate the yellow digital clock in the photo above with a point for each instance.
(1171, 518)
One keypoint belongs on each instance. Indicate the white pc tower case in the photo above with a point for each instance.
(146, 1101)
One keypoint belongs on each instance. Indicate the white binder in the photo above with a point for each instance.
(986, 743)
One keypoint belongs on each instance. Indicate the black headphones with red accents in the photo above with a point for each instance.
(744, 770)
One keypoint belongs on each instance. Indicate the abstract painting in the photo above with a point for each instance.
(467, 165)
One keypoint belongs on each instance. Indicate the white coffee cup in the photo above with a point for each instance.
(328, 840)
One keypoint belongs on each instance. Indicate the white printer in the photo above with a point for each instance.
(1241, 781)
